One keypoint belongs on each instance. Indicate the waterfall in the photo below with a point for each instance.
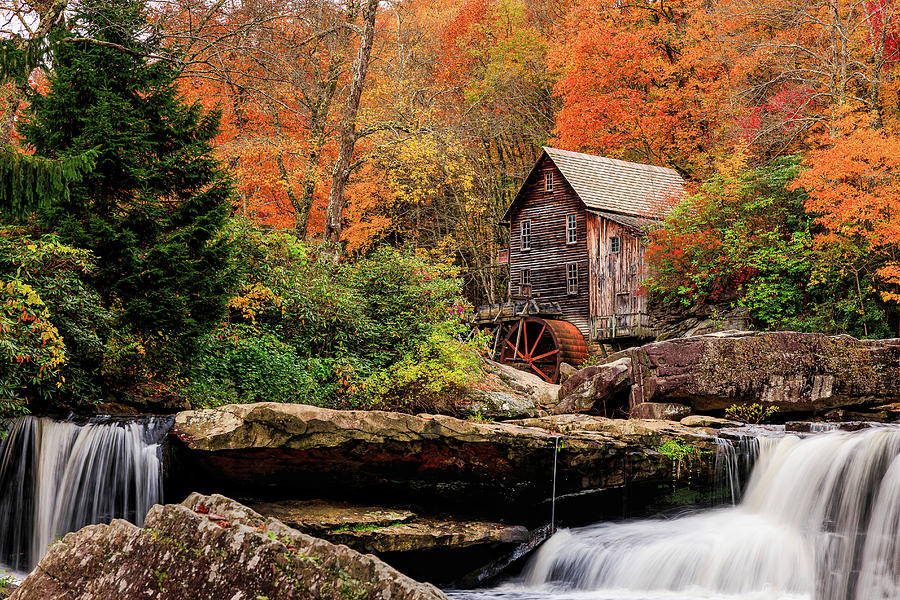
(58, 476)
(734, 461)
(819, 519)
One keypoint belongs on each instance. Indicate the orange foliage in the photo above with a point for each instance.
(639, 80)
(853, 188)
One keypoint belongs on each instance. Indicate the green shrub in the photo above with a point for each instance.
(239, 364)
(682, 454)
(746, 239)
(429, 376)
(385, 331)
(750, 413)
(53, 326)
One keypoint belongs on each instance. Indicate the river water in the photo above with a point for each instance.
(819, 520)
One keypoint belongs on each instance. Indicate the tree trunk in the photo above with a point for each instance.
(317, 137)
(341, 172)
(50, 14)
(9, 105)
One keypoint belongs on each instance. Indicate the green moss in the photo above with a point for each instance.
(363, 527)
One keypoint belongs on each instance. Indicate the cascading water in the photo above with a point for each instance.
(819, 520)
(58, 476)
(734, 461)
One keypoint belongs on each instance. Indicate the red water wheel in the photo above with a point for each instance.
(542, 344)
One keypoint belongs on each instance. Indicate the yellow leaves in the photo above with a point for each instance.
(254, 300)
(418, 172)
(29, 338)
(421, 170)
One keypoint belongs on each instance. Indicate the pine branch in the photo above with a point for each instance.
(29, 183)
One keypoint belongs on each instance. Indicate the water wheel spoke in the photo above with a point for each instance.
(541, 373)
(522, 324)
(538, 340)
(515, 351)
(545, 355)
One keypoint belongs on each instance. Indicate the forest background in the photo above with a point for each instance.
(218, 200)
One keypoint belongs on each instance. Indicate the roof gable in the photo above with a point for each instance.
(614, 186)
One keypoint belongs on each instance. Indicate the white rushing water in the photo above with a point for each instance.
(58, 476)
(819, 520)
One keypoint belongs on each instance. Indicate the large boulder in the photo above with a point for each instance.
(494, 471)
(508, 393)
(586, 389)
(661, 410)
(211, 547)
(797, 372)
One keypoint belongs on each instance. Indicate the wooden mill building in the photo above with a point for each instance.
(577, 229)
(576, 259)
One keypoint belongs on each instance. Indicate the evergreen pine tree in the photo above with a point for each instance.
(153, 205)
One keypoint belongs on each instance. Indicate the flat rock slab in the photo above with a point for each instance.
(477, 471)
(382, 530)
(707, 421)
(430, 534)
(211, 547)
(319, 517)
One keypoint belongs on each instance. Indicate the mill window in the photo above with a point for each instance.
(548, 182)
(526, 276)
(572, 278)
(526, 235)
(571, 229)
(614, 245)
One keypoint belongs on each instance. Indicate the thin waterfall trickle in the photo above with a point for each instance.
(553, 489)
(734, 462)
(58, 476)
(819, 519)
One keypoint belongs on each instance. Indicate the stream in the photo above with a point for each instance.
(819, 520)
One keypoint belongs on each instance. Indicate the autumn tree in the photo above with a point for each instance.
(278, 70)
(348, 136)
(470, 85)
(641, 80)
(797, 65)
(853, 189)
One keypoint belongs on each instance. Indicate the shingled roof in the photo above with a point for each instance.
(615, 186)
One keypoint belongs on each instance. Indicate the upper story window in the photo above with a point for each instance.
(526, 235)
(572, 278)
(526, 277)
(614, 245)
(571, 229)
(548, 182)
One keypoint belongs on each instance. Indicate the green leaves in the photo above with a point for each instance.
(153, 199)
(31, 183)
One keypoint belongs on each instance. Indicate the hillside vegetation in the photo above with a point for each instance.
(297, 200)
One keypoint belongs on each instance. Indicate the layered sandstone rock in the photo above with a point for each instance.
(469, 469)
(381, 530)
(797, 372)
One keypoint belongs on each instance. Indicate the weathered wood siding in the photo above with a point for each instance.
(549, 251)
(615, 277)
